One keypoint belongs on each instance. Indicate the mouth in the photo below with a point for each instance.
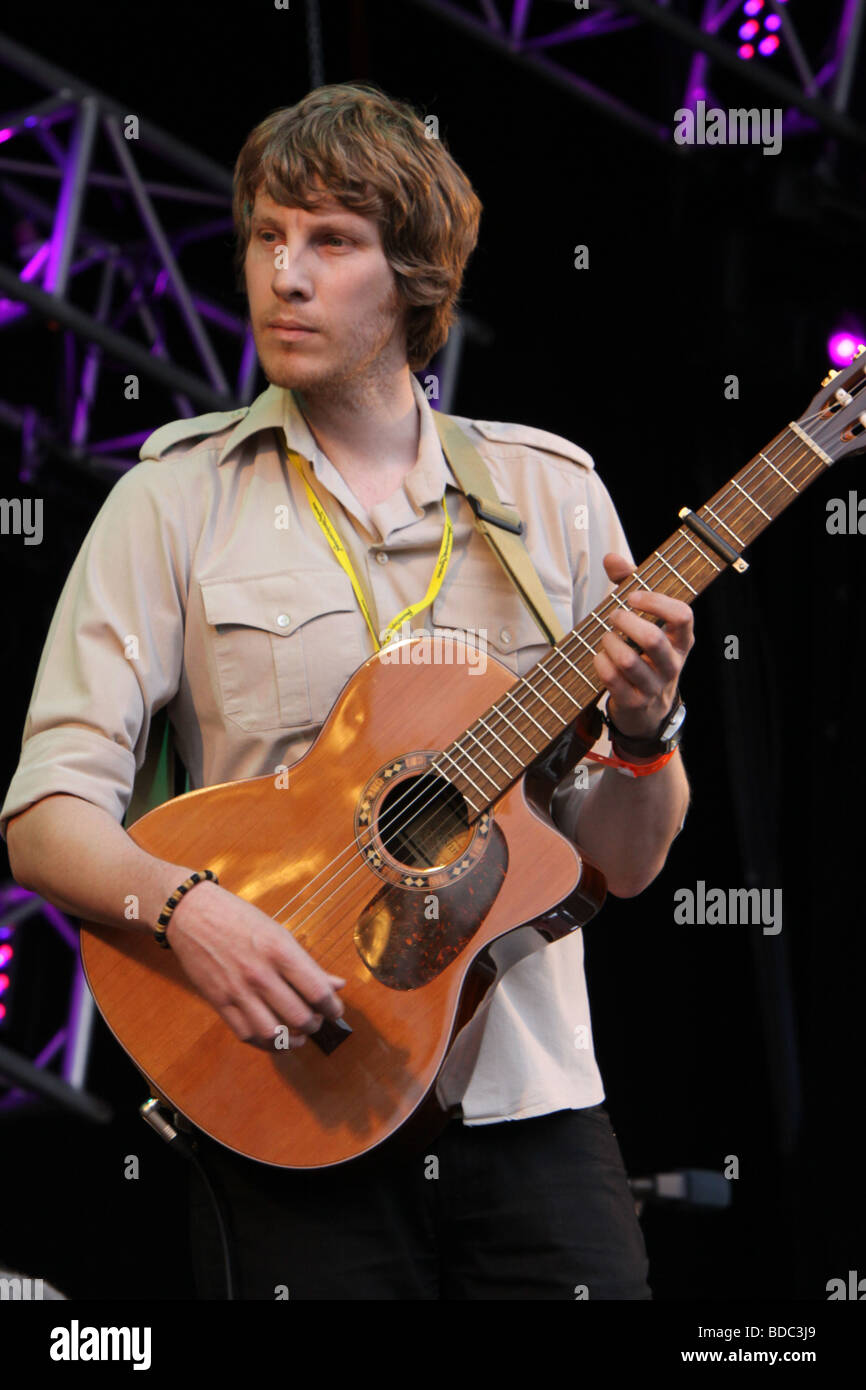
(290, 333)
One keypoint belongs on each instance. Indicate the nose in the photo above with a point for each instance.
(291, 271)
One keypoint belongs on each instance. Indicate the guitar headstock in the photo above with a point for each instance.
(836, 417)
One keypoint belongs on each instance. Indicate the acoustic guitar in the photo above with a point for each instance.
(411, 851)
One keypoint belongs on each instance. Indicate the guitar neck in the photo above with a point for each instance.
(502, 743)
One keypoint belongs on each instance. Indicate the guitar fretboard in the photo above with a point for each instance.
(521, 725)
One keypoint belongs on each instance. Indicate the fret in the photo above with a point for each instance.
(538, 693)
(492, 756)
(686, 556)
(710, 561)
(540, 727)
(459, 744)
(737, 541)
(466, 778)
(576, 669)
(515, 730)
(510, 751)
(590, 649)
(781, 475)
(552, 677)
(676, 573)
(751, 499)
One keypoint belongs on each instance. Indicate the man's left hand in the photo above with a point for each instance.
(643, 685)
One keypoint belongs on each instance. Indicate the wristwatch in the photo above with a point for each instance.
(669, 733)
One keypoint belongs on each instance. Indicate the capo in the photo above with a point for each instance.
(714, 541)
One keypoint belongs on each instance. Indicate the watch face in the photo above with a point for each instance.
(673, 723)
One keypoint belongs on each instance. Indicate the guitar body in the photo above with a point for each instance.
(415, 942)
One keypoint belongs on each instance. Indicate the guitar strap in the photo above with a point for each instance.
(499, 525)
(162, 776)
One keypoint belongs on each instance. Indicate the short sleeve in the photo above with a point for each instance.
(113, 655)
(604, 533)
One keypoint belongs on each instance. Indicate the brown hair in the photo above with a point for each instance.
(373, 154)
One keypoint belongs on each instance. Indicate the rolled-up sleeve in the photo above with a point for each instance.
(604, 533)
(113, 655)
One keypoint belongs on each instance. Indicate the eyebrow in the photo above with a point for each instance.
(328, 220)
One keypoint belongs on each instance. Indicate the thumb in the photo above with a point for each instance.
(616, 566)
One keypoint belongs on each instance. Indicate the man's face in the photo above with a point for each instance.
(327, 271)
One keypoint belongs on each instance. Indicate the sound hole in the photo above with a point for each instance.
(423, 822)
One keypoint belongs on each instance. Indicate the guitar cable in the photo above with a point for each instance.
(152, 1113)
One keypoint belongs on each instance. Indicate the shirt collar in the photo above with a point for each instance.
(277, 408)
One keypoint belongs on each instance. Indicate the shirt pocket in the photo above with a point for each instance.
(499, 621)
(283, 645)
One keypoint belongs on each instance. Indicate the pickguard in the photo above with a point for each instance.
(408, 935)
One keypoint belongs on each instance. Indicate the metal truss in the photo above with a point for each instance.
(71, 1042)
(145, 301)
(566, 45)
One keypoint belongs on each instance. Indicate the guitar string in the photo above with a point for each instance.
(399, 811)
(741, 505)
(355, 847)
(520, 706)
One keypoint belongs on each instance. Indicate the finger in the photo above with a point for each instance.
(676, 613)
(628, 667)
(289, 1008)
(655, 644)
(307, 978)
(256, 1027)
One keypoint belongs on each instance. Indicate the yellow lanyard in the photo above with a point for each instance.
(340, 551)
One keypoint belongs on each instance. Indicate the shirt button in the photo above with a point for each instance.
(381, 557)
(505, 636)
(283, 620)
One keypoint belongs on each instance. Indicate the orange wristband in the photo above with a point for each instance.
(633, 769)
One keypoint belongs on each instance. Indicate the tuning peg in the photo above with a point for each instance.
(829, 377)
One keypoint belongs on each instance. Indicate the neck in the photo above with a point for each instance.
(369, 430)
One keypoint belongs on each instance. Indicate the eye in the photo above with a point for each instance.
(336, 236)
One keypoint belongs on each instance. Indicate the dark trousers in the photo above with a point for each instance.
(524, 1209)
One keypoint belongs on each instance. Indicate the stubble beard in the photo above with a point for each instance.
(369, 353)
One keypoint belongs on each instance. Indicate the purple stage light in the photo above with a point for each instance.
(772, 23)
(753, 6)
(843, 347)
(749, 29)
(768, 45)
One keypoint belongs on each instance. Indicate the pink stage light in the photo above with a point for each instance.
(772, 23)
(768, 45)
(749, 29)
(6, 954)
(746, 50)
(843, 347)
(753, 6)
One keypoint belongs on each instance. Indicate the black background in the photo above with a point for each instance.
(722, 262)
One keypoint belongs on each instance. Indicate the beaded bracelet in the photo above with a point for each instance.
(165, 916)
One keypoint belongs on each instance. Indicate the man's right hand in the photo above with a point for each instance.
(250, 969)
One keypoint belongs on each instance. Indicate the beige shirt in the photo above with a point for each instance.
(206, 585)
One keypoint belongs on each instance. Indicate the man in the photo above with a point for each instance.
(354, 230)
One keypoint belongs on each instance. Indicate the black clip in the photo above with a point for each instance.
(495, 514)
